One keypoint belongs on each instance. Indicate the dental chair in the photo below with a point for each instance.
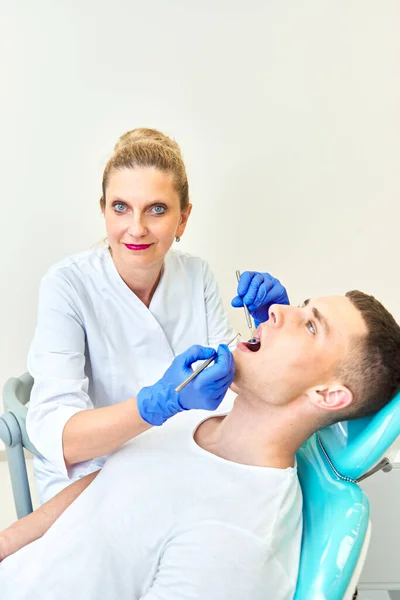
(16, 393)
(336, 525)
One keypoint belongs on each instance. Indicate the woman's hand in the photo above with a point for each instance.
(258, 291)
(159, 402)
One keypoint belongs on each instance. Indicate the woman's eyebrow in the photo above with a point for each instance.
(148, 204)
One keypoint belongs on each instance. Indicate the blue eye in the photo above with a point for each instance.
(158, 209)
(119, 207)
(310, 327)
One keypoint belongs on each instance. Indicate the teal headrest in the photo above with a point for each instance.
(354, 447)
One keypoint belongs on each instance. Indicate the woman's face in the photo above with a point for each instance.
(142, 215)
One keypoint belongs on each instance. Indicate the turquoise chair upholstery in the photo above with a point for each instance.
(335, 508)
(335, 525)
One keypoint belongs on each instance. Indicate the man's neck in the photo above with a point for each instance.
(254, 433)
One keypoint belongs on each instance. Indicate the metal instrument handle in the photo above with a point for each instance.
(200, 368)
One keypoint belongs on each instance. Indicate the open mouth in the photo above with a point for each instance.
(253, 345)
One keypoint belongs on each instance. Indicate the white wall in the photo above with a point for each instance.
(287, 113)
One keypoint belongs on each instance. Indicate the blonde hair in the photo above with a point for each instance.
(148, 148)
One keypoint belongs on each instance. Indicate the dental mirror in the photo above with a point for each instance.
(252, 343)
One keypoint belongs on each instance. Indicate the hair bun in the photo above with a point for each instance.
(146, 148)
(145, 136)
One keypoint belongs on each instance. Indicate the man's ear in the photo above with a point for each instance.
(331, 397)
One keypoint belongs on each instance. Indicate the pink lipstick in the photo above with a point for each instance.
(137, 246)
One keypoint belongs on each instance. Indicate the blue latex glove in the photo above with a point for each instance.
(259, 291)
(159, 402)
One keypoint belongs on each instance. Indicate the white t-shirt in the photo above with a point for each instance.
(97, 344)
(167, 520)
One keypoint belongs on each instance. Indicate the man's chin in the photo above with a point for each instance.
(234, 387)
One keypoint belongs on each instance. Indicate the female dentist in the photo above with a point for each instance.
(112, 320)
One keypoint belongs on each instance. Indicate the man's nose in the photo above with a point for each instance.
(275, 315)
(278, 314)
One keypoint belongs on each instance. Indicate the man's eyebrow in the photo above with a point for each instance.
(320, 317)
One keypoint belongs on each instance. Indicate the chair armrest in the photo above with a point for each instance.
(10, 431)
(16, 393)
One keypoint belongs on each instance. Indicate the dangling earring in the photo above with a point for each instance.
(177, 239)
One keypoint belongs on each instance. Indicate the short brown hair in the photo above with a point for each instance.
(372, 371)
(148, 148)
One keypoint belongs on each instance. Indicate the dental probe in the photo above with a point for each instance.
(200, 368)
(252, 340)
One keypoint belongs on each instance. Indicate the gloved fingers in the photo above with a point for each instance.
(283, 297)
(221, 396)
(223, 367)
(223, 384)
(216, 402)
(260, 281)
(242, 288)
(195, 353)
(237, 302)
(261, 298)
(268, 293)
(245, 282)
(277, 294)
(211, 383)
(224, 379)
(224, 361)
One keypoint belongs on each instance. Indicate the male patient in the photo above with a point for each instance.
(209, 507)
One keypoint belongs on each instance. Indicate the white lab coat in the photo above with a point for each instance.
(96, 344)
